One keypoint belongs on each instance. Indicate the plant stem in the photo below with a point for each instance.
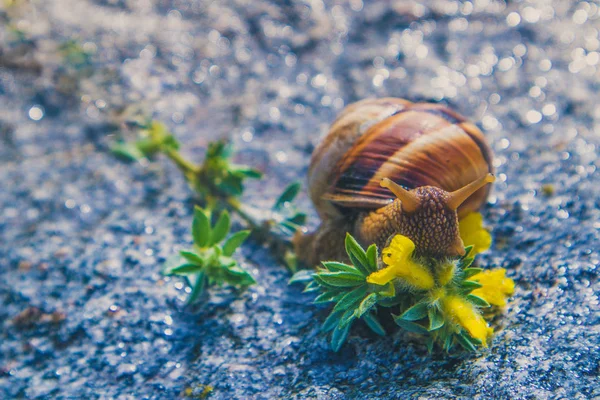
(237, 207)
(263, 228)
(184, 165)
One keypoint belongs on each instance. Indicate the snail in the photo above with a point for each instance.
(389, 166)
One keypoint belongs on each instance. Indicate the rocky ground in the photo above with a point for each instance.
(85, 310)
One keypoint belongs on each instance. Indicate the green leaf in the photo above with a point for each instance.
(236, 275)
(478, 301)
(232, 185)
(321, 283)
(366, 304)
(372, 258)
(357, 255)
(290, 227)
(226, 262)
(298, 219)
(171, 262)
(410, 326)
(436, 319)
(469, 272)
(147, 146)
(200, 228)
(448, 342)
(288, 195)
(197, 287)
(389, 302)
(351, 299)
(339, 336)
(328, 297)
(335, 266)
(468, 251)
(470, 285)
(302, 276)
(192, 257)
(466, 342)
(185, 269)
(347, 317)
(341, 279)
(213, 255)
(311, 287)
(234, 241)
(373, 323)
(291, 261)
(332, 321)
(466, 262)
(128, 151)
(245, 171)
(220, 229)
(416, 312)
(389, 291)
(429, 343)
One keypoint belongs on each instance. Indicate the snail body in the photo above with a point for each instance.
(389, 166)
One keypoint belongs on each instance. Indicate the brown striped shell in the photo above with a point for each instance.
(413, 144)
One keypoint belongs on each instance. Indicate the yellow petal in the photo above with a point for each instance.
(399, 250)
(398, 257)
(496, 286)
(383, 276)
(474, 234)
(465, 314)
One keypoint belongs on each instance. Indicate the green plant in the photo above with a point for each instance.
(217, 181)
(210, 261)
(439, 298)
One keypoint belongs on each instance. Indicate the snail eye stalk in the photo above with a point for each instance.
(461, 195)
(409, 201)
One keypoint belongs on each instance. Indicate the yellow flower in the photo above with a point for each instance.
(496, 286)
(400, 265)
(474, 234)
(466, 315)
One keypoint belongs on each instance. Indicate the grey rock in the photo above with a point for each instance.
(85, 235)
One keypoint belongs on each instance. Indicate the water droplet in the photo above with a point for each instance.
(319, 80)
(513, 19)
(531, 15)
(247, 136)
(533, 116)
(549, 109)
(36, 113)
(281, 157)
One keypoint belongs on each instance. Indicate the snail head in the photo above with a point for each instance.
(429, 215)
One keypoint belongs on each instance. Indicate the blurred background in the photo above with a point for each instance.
(83, 236)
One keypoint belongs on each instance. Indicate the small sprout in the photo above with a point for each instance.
(218, 178)
(210, 260)
(217, 181)
(154, 138)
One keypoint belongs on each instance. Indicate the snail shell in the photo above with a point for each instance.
(413, 144)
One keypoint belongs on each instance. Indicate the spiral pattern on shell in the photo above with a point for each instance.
(413, 144)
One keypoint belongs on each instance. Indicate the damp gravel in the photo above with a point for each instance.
(85, 311)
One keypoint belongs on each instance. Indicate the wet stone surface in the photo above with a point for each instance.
(83, 237)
